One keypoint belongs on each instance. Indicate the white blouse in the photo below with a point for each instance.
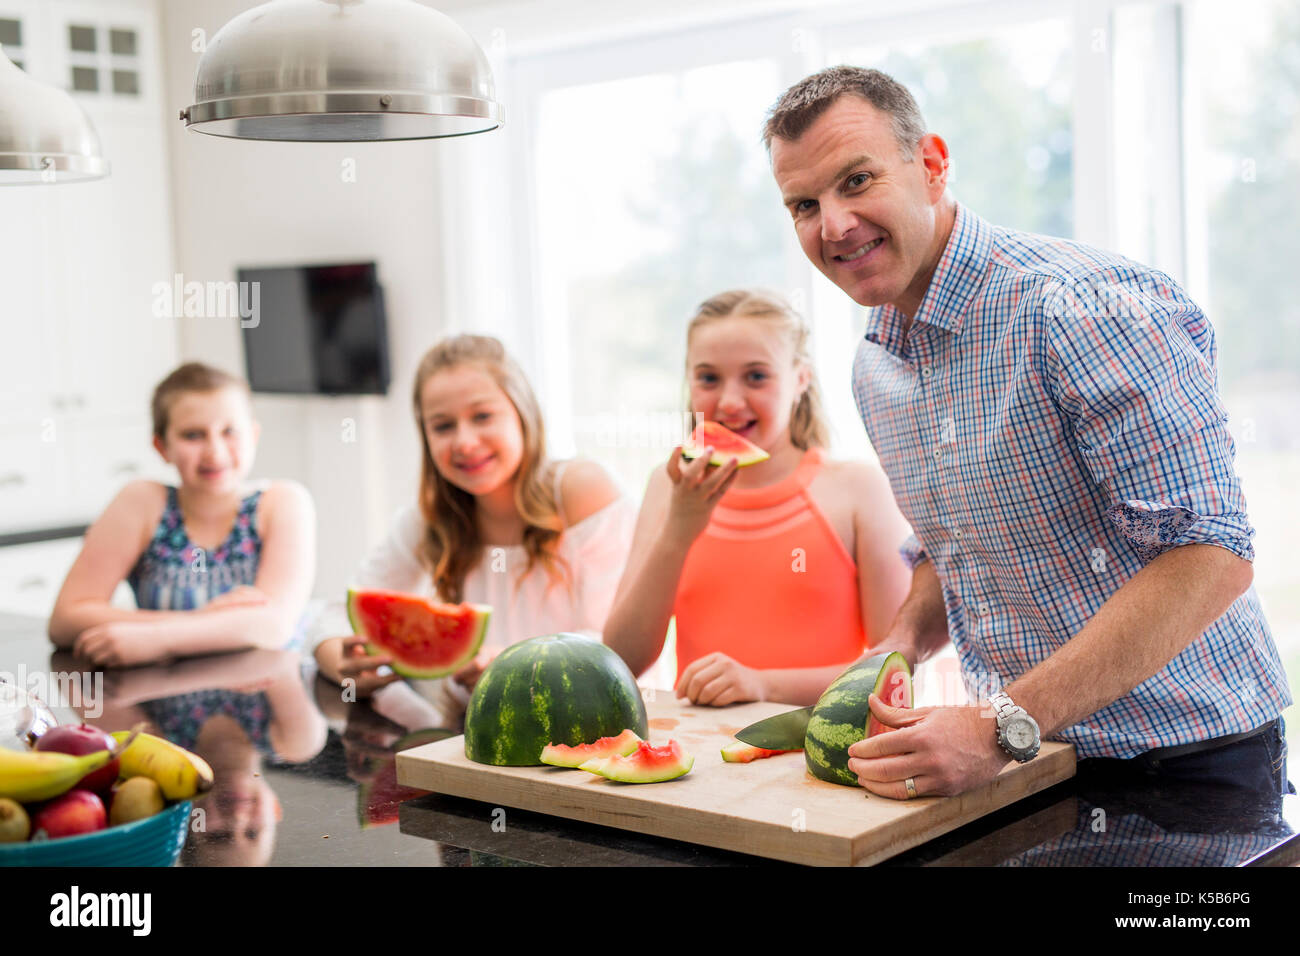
(595, 548)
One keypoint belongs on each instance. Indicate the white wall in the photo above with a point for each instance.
(245, 203)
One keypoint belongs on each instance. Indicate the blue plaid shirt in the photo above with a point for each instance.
(1050, 423)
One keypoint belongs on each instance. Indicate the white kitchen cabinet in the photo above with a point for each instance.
(32, 574)
(79, 263)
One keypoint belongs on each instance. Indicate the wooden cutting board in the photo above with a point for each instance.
(772, 808)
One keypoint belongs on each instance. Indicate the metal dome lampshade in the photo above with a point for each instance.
(342, 71)
(45, 135)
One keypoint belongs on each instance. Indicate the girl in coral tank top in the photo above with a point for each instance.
(779, 574)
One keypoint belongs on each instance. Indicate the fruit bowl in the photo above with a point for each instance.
(154, 841)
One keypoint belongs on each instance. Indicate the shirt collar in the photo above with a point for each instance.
(956, 280)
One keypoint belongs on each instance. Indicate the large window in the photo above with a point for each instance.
(1243, 156)
(1166, 131)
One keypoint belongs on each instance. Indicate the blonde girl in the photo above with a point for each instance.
(779, 574)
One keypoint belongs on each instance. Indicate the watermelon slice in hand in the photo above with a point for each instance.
(726, 445)
(646, 764)
(424, 639)
(558, 755)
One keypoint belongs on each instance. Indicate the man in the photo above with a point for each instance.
(1049, 419)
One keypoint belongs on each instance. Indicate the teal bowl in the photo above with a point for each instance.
(153, 841)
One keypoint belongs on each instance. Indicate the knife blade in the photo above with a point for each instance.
(782, 732)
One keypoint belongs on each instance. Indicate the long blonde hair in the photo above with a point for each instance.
(451, 545)
(808, 423)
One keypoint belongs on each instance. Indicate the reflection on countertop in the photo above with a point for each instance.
(305, 776)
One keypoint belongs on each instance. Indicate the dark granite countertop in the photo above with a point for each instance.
(306, 778)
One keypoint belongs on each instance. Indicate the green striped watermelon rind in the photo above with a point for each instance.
(375, 645)
(558, 689)
(741, 752)
(840, 717)
(558, 755)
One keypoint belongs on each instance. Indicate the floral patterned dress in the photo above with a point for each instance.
(174, 574)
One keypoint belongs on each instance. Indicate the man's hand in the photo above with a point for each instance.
(945, 750)
(123, 644)
(716, 680)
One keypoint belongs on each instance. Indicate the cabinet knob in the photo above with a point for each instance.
(13, 478)
(32, 584)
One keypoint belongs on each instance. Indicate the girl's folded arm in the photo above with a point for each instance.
(111, 548)
(643, 604)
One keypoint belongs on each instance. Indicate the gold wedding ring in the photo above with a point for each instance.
(910, 784)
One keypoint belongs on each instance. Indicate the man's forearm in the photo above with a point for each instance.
(1145, 624)
(920, 628)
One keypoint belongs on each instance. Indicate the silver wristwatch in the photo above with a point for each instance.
(1017, 732)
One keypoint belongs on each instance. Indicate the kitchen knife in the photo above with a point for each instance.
(782, 732)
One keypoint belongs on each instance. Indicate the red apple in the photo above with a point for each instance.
(77, 811)
(79, 740)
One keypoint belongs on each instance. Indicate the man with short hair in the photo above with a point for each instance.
(1049, 418)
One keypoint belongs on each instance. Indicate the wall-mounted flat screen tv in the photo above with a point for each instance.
(320, 330)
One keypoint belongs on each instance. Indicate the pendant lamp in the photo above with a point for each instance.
(45, 135)
(342, 71)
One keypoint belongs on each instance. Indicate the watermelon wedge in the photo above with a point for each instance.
(726, 445)
(646, 764)
(558, 755)
(741, 752)
(424, 639)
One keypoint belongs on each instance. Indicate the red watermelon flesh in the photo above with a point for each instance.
(380, 796)
(646, 764)
(424, 639)
(558, 755)
(726, 445)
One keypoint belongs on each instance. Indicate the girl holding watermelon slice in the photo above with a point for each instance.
(781, 573)
(496, 523)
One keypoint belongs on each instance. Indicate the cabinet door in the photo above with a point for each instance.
(113, 237)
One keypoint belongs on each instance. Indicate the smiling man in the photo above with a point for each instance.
(1049, 418)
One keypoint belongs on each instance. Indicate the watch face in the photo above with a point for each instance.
(1019, 733)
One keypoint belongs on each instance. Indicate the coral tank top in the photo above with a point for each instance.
(769, 583)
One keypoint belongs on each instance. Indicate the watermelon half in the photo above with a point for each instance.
(726, 445)
(646, 764)
(559, 689)
(558, 755)
(424, 639)
(842, 717)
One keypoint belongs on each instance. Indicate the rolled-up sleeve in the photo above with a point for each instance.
(1131, 363)
(912, 551)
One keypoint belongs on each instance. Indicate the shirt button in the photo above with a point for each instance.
(938, 453)
(983, 608)
(926, 371)
(956, 533)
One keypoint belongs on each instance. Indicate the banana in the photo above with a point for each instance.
(178, 772)
(32, 775)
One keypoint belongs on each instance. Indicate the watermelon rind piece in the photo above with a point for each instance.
(394, 644)
(726, 445)
(557, 689)
(558, 755)
(741, 752)
(841, 715)
(646, 764)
